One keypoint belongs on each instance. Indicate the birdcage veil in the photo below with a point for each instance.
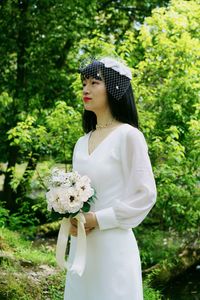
(115, 74)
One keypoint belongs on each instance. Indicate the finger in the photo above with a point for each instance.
(89, 230)
(89, 227)
(73, 234)
(73, 230)
(73, 222)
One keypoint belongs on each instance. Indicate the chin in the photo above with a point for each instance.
(88, 108)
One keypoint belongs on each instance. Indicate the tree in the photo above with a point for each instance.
(167, 86)
(164, 60)
(39, 49)
(35, 41)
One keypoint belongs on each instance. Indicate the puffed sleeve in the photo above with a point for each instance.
(73, 154)
(140, 188)
(75, 151)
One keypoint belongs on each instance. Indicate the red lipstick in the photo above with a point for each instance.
(86, 99)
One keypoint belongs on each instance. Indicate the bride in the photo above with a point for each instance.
(114, 154)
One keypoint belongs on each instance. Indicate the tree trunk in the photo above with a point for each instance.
(8, 192)
(9, 195)
(22, 44)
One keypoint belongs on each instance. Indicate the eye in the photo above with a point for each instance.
(83, 84)
(95, 82)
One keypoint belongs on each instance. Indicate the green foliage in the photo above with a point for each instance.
(164, 60)
(169, 244)
(22, 259)
(17, 288)
(166, 83)
(16, 245)
(150, 293)
(4, 214)
(40, 48)
(64, 129)
(42, 45)
(6, 103)
(25, 217)
(55, 288)
(30, 137)
(29, 271)
(55, 136)
(50, 134)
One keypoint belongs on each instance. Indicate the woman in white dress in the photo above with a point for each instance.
(114, 154)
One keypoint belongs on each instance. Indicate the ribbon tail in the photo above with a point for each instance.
(62, 240)
(78, 265)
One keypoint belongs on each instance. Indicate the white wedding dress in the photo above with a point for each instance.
(121, 173)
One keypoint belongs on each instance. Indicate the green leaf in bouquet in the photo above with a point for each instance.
(72, 215)
(86, 207)
(93, 198)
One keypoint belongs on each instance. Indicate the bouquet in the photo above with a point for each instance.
(69, 195)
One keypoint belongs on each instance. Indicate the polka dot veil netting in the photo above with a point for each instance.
(115, 74)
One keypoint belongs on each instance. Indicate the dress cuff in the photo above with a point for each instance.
(106, 218)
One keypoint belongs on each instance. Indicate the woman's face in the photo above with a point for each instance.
(94, 95)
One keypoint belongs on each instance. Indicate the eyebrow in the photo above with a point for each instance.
(91, 78)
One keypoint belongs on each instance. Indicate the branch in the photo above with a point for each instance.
(63, 55)
(41, 180)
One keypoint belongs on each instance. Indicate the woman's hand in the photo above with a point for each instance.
(91, 223)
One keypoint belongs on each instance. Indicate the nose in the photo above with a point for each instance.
(86, 89)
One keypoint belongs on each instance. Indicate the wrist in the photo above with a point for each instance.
(95, 220)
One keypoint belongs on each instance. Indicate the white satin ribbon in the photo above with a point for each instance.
(78, 264)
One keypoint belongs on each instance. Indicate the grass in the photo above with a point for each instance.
(15, 245)
(29, 271)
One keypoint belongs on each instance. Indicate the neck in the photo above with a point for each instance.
(104, 118)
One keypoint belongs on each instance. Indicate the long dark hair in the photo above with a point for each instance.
(123, 110)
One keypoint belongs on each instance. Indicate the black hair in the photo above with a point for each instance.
(123, 110)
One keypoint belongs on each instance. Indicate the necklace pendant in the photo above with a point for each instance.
(100, 126)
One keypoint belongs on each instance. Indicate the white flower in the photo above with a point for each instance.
(53, 199)
(68, 191)
(70, 200)
(117, 66)
(58, 177)
(85, 190)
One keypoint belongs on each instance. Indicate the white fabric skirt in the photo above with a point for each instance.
(113, 268)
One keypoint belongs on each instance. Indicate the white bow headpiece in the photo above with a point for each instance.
(117, 66)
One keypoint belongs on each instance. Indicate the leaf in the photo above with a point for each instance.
(86, 207)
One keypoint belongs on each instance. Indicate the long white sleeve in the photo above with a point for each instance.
(140, 188)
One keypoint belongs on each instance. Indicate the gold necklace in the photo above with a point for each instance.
(100, 126)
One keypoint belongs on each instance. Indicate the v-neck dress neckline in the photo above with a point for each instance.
(102, 142)
(120, 172)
